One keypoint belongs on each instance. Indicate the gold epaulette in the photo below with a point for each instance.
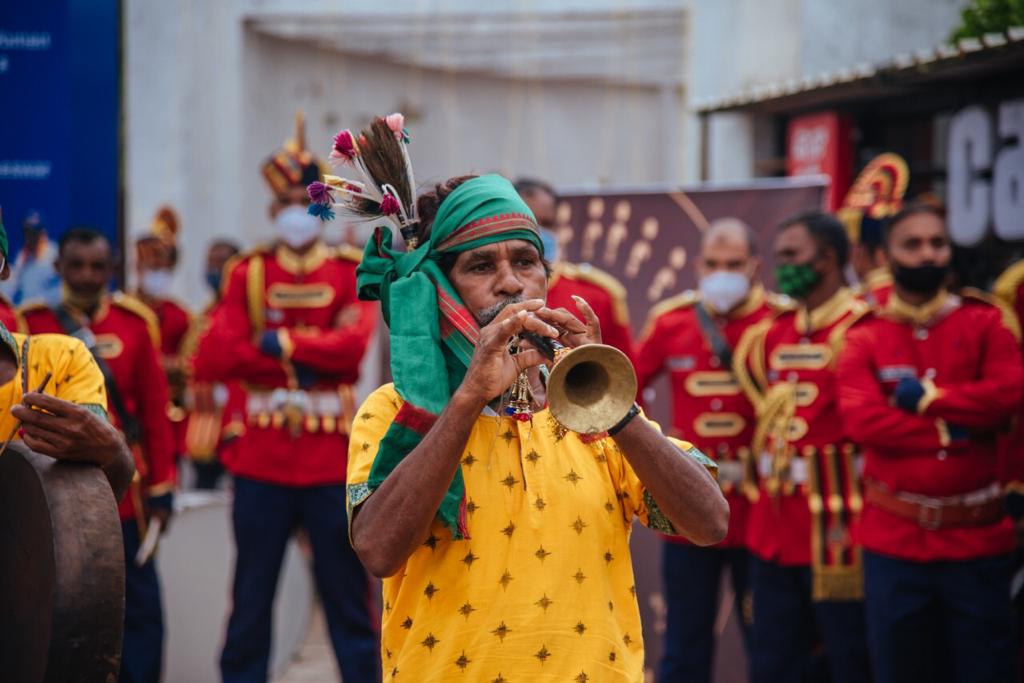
(684, 300)
(242, 257)
(227, 270)
(673, 303)
(262, 249)
(33, 306)
(133, 305)
(605, 281)
(780, 303)
(858, 309)
(1009, 282)
(347, 252)
(21, 311)
(1009, 316)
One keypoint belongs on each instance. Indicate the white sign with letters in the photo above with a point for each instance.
(986, 173)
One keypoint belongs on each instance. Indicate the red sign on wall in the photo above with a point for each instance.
(819, 144)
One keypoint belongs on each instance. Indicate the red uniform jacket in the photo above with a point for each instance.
(709, 409)
(127, 339)
(8, 316)
(604, 294)
(970, 363)
(299, 403)
(808, 491)
(175, 322)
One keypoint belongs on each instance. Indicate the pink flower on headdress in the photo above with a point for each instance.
(344, 146)
(319, 193)
(389, 205)
(396, 122)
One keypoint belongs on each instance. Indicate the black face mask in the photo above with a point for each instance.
(924, 279)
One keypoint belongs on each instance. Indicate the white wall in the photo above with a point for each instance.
(209, 94)
(182, 126)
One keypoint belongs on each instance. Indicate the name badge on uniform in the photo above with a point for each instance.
(292, 295)
(682, 362)
(108, 346)
(712, 383)
(801, 357)
(894, 373)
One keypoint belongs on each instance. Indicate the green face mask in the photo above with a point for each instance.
(796, 279)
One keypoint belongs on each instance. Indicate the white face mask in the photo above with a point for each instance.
(723, 290)
(156, 283)
(297, 227)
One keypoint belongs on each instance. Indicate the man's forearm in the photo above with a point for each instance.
(120, 471)
(395, 520)
(683, 488)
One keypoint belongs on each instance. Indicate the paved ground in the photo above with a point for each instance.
(314, 662)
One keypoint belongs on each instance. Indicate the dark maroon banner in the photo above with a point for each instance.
(649, 240)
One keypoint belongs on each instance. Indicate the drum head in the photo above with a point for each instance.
(61, 571)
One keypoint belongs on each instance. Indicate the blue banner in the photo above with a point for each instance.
(60, 93)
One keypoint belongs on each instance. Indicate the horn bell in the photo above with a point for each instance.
(591, 388)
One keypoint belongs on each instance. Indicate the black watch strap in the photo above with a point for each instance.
(621, 424)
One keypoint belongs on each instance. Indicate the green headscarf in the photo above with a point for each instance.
(432, 332)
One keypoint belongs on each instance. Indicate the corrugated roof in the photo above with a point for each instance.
(964, 59)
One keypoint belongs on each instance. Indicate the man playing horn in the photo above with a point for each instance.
(502, 537)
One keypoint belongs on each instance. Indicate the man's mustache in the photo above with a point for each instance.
(488, 314)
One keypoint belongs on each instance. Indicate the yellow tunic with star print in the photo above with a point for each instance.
(542, 590)
(75, 375)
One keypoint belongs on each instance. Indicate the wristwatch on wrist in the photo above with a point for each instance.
(621, 424)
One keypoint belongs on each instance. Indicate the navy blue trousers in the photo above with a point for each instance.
(142, 653)
(940, 621)
(264, 517)
(788, 626)
(208, 474)
(692, 576)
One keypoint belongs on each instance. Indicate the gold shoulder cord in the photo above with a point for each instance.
(1009, 315)
(772, 433)
(749, 354)
(254, 286)
(748, 360)
(858, 309)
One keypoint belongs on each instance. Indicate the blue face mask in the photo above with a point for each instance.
(550, 242)
(213, 278)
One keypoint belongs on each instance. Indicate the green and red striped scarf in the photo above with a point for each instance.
(432, 332)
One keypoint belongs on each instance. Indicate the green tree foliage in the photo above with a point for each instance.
(988, 16)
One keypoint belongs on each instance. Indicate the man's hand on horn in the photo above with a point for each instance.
(493, 367)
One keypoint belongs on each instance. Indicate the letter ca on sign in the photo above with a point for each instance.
(986, 173)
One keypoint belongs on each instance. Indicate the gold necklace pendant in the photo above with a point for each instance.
(520, 405)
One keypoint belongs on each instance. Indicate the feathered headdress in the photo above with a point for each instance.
(385, 189)
(165, 225)
(292, 165)
(875, 195)
(162, 238)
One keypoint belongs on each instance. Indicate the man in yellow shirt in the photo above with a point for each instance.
(68, 419)
(503, 543)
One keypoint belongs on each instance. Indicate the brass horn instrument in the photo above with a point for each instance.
(590, 388)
